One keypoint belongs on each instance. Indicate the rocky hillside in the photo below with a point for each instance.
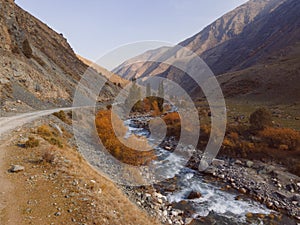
(137, 66)
(38, 69)
(260, 32)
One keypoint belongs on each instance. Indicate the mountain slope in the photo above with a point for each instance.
(258, 32)
(267, 36)
(39, 68)
(137, 66)
(112, 77)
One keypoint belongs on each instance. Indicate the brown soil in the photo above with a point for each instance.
(67, 191)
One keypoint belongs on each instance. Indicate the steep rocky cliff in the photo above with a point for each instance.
(38, 68)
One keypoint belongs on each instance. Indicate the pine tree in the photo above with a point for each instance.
(160, 95)
(148, 90)
(134, 95)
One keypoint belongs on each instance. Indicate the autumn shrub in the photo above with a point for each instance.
(55, 141)
(281, 137)
(49, 135)
(234, 136)
(32, 143)
(260, 119)
(44, 131)
(62, 116)
(156, 111)
(173, 124)
(48, 157)
(111, 140)
(172, 118)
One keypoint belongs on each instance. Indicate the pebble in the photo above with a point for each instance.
(57, 214)
(218, 162)
(16, 168)
(243, 190)
(269, 204)
(249, 215)
(249, 163)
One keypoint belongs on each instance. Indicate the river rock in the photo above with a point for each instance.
(249, 163)
(168, 147)
(210, 170)
(270, 205)
(16, 168)
(188, 220)
(194, 194)
(170, 188)
(290, 188)
(238, 162)
(218, 162)
(243, 190)
(296, 198)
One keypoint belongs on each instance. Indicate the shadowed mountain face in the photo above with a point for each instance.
(38, 66)
(258, 32)
(267, 36)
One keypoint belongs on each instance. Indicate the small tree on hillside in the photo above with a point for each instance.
(260, 119)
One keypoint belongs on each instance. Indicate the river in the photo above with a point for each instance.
(216, 205)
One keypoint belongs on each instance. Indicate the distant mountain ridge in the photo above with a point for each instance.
(132, 68)
(258, 32)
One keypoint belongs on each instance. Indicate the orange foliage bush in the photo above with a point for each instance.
(278, 137)
(110, 140)
(172, 118)
(173, 123)
(156, 111)
(234, 136)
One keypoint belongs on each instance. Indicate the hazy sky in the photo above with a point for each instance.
(95, 27)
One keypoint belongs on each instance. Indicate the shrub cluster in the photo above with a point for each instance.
(281, 138)
(32, 143)
(48, 157)
(49, 135)
(112, 143)
(63, 116)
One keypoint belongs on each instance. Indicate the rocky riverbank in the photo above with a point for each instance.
(268, 183)
(265, 182)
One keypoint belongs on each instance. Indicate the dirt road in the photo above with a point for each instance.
(8, 205)
(9, 123)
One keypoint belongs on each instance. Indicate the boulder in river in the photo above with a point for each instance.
(194, 195)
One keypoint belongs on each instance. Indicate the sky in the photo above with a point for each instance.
(96, 27)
